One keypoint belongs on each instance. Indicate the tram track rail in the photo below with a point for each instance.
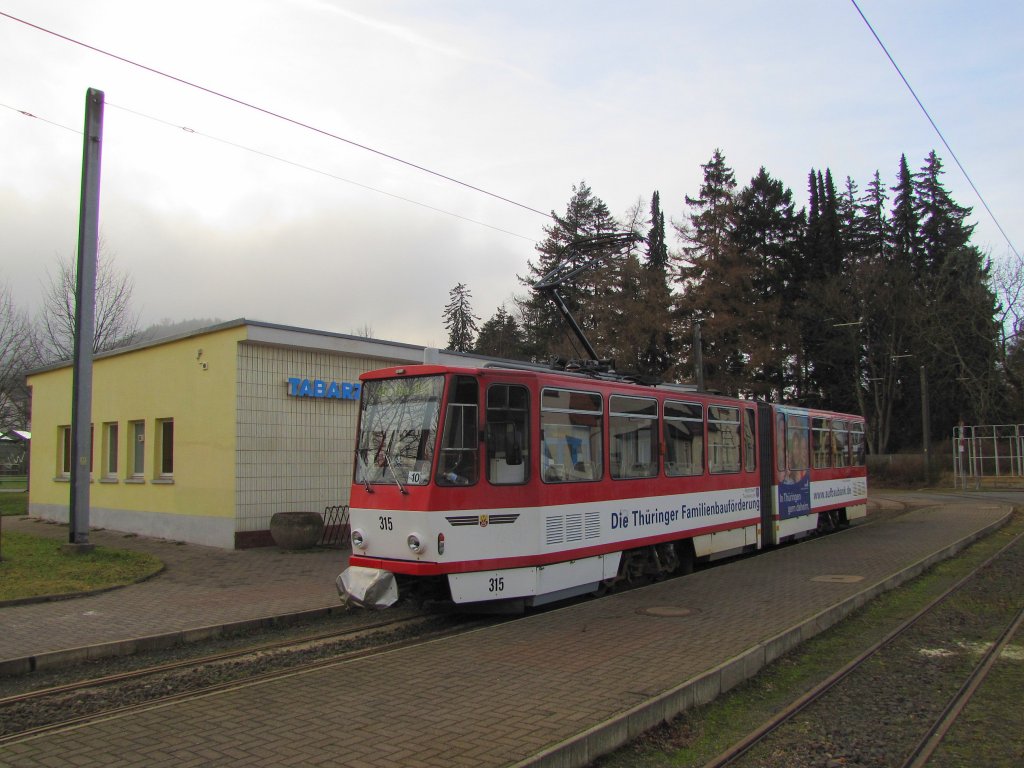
(919, 755)
(27, 714)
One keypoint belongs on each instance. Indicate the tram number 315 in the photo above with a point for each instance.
(385, 523)
(496, 584)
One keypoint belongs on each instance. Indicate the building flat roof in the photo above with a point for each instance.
(276, 334)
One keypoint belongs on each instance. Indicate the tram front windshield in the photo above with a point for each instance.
(397, 428)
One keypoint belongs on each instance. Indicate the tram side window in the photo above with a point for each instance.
(571, 436)
(796, 448)
(857, 444)
(461, 436)
(684, 439)
(749, 443)
(632, 437)
(508, 434)
(723, 439)
(840, 444)
(821, 443)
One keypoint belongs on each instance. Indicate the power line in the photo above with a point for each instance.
(279, 159)
(936, 127)
(37, 117)
(319, 171)
(272, 113)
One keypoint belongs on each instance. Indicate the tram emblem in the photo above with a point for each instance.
(500, 518)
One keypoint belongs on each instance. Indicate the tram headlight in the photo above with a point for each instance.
(415, 542)
(358, 539)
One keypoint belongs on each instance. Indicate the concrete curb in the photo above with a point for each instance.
(613, 733)
(73, 656)
(86, 593)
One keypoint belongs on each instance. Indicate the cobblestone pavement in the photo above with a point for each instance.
(200, 589)
(556, 688)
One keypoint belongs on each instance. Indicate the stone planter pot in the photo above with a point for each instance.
(296, 530)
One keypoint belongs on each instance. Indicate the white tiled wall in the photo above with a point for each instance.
(294, 453)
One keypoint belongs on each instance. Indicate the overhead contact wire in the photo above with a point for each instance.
(321, 172)
(936, 127)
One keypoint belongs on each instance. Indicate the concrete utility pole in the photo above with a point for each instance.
(85, 322)
(926, 427)
(698, 357)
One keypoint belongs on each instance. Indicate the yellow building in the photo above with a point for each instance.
(203, 437)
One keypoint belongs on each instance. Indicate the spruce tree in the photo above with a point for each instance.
(713, 276)
(957, 338)
(768, 232)
(459, 319)
(585, 215)
(500, 336)
(655, 354)
(905, 226)
(881, 292)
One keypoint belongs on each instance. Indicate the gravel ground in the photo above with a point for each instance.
(877, 715)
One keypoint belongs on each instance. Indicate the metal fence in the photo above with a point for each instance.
(992, 454)
(337, 530)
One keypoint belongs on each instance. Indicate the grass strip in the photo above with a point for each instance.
(36, 567)
(13, 503)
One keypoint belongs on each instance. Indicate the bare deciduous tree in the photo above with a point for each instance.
(16, 357)
(117, 324)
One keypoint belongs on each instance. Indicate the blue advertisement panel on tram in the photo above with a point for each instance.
(795, 479)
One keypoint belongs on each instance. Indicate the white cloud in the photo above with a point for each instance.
(524, 100)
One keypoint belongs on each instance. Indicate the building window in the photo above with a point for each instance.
(110, 452)
(64, 451)
(137, 435)
(165, 448)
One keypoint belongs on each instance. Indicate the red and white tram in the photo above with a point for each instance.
(509, 483)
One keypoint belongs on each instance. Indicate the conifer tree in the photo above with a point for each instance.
(500, 336)
(657, 343)
(957, 337)
(714, 278)
(873, 243)
(881, 292)
(943, 227)
(768, 233)
(585, 215)
(905, 226)
(459, 319)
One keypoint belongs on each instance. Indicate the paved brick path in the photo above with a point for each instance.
(201, 590)
(552, 689)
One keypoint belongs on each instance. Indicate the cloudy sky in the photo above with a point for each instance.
(220, 210)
